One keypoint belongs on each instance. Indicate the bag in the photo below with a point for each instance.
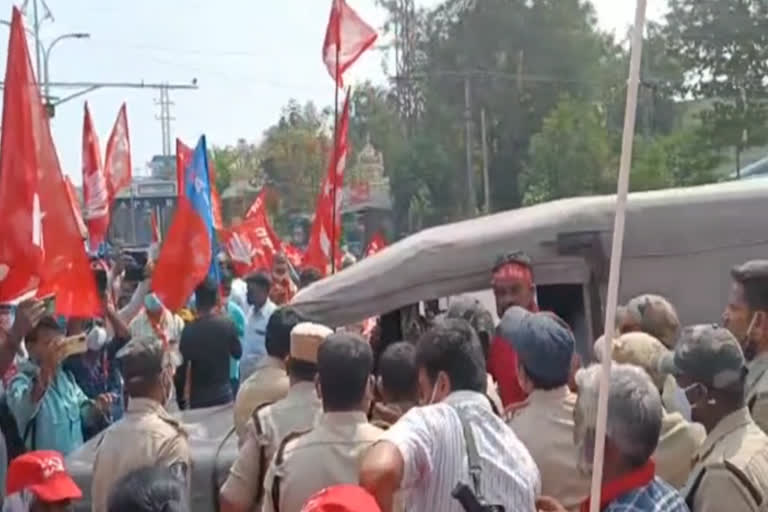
(14, 441)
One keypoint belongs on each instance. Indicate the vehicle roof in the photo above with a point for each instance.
(457, 258)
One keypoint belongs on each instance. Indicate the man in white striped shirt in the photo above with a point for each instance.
(424, 455)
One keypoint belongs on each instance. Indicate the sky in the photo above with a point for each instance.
(249, 58)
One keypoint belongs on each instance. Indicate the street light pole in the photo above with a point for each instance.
(47, 56)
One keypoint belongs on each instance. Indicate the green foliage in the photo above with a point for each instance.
(723, 46)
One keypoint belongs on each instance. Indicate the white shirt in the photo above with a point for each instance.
(254, 349)
(431, 442)
(239, 293)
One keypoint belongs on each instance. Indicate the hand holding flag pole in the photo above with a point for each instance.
(616, 251)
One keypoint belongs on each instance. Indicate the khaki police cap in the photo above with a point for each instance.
(306, 338)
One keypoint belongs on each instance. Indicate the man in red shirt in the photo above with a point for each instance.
(513, 285)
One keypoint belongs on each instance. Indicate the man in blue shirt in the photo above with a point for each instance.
(261, 308)
(46, 402)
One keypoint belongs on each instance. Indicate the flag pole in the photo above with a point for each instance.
(617, 249)
(335, 155)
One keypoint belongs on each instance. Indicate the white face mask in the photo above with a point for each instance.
(96, 338)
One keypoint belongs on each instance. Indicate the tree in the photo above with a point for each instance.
(723, 47)
(295, 154)
(571, 156)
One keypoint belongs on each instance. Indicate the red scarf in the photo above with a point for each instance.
(157, 326)
(614, 489)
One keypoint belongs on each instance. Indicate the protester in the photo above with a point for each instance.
(46, 402)
(270, 382)
(545, 423)
(512, 286)
(150, 489)
(731, 467)
(271, 423)
(206, 346)
(16, 326)
(397, 384)
(154, 319)
(259, 311)
(97, 374)
(342, 498)
(633, 425)
(471, 310)
(651, 314)
(237, 315)
(153, 435)
(330, 453)
(308, 276)
(746, 316)
(283, 288)
(679, 439)
(425, 452)
(38, 482)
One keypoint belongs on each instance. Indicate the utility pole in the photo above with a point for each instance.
(165, 118)
(486, 174)
(468, 146)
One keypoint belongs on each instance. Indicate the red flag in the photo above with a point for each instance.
(249, 245)
(259, 209)
(41, 244)
(183, 156)
(117, 162)
(186, 258)
(95, 193)
(326, 230)
(258, 204)
(76, 207)
(218, 223)
(377, 243)
(156, 237)
(346, 38)
(294, 254)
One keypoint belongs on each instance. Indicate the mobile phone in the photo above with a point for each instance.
(74, 345)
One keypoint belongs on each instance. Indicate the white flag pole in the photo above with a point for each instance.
(616, 249)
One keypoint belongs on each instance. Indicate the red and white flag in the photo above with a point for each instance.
(346, 38)
(41, 244)
(155, 225)
(259, 204)
(183, 157)
(117, 162)
(249, 245)
(326, 229)
(95, 193)
(377, 243)
(72, 193)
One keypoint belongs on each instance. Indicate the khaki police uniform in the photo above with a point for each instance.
(678, 443)
(268, 384)
(757, 390)
(146, 436)
(270, 424)
(731, 468)
(545, 426)
(328, 455)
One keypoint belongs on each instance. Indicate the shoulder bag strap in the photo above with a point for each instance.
(473, 457)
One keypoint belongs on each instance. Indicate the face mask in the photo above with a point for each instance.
(434, 392)
(152, 303)
(750, 350)
(96, 338)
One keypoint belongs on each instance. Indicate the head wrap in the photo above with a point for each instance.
(512, 271)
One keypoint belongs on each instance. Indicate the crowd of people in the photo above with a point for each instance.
(454, 414)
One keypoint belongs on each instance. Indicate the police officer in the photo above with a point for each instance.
(730, 469)
(269, 383)
(545, 423)
(146, 435)
(298, 411)
(330, 453)
(746, 316)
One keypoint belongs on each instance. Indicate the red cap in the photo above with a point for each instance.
(342, 498)
(43, 473)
